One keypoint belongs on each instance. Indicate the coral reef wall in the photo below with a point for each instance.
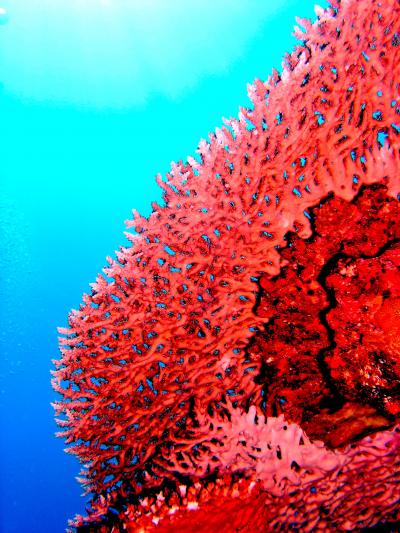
(237, 367)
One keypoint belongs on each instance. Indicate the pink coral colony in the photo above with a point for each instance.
(237, 369)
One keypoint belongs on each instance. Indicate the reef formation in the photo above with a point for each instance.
(237, 368)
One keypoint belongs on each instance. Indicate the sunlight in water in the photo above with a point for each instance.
(3, 15)
(94, 52)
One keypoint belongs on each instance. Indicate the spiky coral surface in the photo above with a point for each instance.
(157, 359)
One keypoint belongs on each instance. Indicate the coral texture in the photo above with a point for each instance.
(237, 367)
(332, 321)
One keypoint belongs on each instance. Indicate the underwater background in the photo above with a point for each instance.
(96, 98)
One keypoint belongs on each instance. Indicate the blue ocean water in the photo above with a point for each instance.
(96, 98)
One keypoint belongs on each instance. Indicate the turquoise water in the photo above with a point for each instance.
(96, 98)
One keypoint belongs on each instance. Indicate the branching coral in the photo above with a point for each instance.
(230, 306)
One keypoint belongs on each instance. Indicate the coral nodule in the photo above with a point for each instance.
(238, 366)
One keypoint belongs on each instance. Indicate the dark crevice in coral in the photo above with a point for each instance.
(336, 401)
(383, 527)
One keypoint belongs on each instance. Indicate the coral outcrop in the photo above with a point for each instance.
(237, 367)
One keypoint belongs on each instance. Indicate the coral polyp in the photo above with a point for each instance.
(237, 367)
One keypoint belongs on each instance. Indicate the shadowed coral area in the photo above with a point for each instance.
(329, 352)
(236, 368)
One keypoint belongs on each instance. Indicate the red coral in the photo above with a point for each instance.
(365, 360)
(332, 332)
(167, 371)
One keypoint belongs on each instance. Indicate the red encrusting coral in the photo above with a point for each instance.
(331, 337)
(244, 297)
